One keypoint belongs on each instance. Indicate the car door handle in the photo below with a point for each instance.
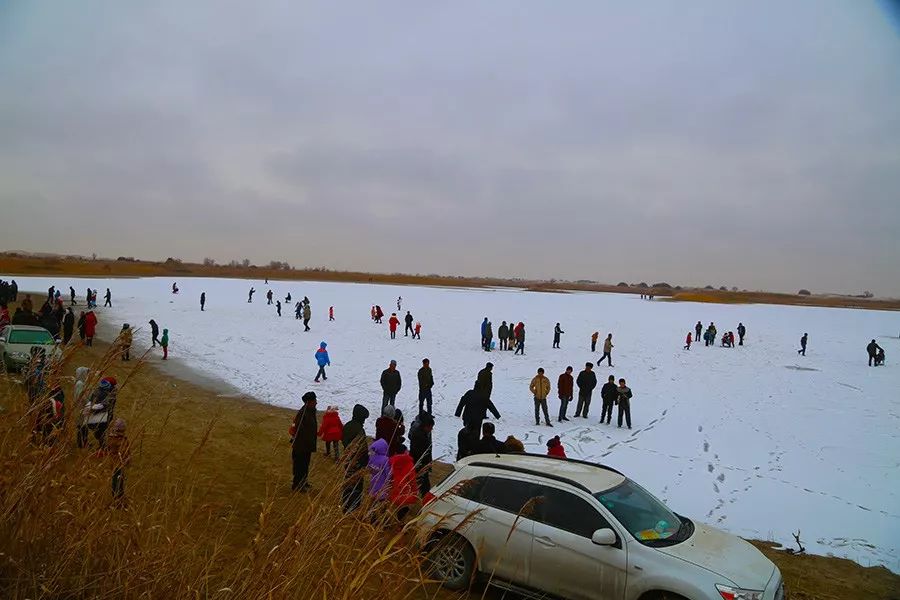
(545, 541)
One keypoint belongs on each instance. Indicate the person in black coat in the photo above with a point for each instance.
(742, 331)
(356, 451)
(420, 450)
(872, 349)
(465, 441)
(609, 393)
(426, 382)
(484, 381)
(488, 444)
(154, 332)
(303, 441)
(586, 382)
(202, 301)
(473, 407)
(68, 325)
(72, 295)
(408, 319)
(390, 384)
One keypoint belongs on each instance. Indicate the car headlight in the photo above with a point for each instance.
(732, 593)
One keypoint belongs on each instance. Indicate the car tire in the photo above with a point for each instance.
(662, 596)
(452, 561)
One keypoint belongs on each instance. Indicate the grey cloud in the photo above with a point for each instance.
(754, 145)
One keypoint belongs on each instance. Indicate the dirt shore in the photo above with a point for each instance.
(173, 411)
(20, 264)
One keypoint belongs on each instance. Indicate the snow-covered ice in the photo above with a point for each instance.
(756, 440)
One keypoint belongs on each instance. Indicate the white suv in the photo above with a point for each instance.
(542, 526)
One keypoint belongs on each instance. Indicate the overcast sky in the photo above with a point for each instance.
(754, 144)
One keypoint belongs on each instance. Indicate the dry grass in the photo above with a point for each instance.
(210, 513)
(719, 297)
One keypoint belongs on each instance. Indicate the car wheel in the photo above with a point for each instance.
(452, 561)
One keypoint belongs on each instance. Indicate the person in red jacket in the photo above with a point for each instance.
(687, 341)
(90, 328)
(332, 431)
(403, 492)
(555, 448)
(392, 323)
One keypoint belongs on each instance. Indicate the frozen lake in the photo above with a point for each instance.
(756, 440)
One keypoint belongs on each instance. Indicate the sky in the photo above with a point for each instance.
(749, 144)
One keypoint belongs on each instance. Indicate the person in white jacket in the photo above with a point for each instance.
(98, 412)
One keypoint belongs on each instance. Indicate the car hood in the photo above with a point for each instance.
(726, 555)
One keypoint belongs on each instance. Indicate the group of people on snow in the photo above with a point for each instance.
(510, 337)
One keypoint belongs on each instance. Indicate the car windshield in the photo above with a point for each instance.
(645, 517)
(30, 336)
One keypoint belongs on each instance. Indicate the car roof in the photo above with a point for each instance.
(591, 477)
(26, 328)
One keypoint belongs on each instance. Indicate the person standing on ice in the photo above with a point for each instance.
(154, 333)
(609, 393)
(473, 408)
(307, 315)
(565, 386)
(164, 343)
(72, 296)
(379, 314)
(399, 302)
(269, 295)
(408, 319)
(488, 337)
(323, 361)
(742, 331)
(484, 381)
(803, 340)
(278, 307)
(298, 311)
(417, 332)
(202, 301)
(331, 313)
(872, 348)
(391, 383)
(607, 351)
(594, 337)
(698, 329)
(520, 339)
(711, 334)
(503, 335)
(687, 341)
(393, 322)
(250, 296)
(484, 325)
(426, 382)
(587, 381)
(557, 331)
(108, 298)
(625, 395)
(540, 388)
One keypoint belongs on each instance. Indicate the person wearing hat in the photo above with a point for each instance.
(390, 384)
(587, 381)
(98, 412)
(303, 441)
(125, 339)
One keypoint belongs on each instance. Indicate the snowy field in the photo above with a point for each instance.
(756, 440)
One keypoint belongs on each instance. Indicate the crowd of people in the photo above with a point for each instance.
(398, 463)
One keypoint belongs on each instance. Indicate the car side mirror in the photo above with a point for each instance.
(604, 537)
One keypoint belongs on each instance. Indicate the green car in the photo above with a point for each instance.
(16, 342)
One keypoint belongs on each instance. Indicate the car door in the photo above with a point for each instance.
(564, 560)
(502, 528)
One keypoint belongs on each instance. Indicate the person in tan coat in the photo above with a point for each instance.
(540, 388)
(125, 339)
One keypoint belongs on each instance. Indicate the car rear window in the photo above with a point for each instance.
(30, 336)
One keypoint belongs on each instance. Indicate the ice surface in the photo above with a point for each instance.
(756, 440)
